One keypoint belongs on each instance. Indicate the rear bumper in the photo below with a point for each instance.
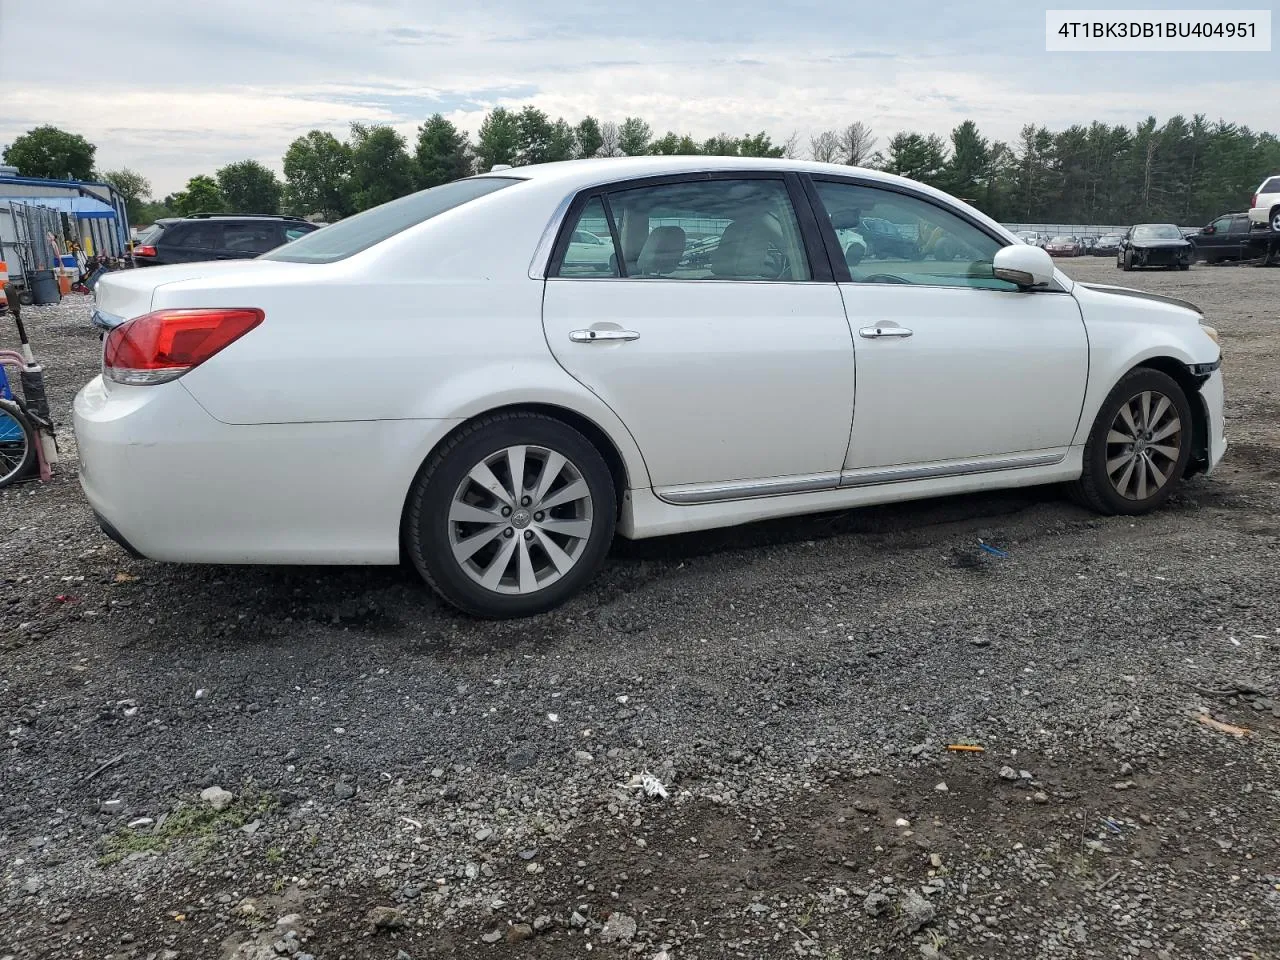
(169, 482)
(104, 321)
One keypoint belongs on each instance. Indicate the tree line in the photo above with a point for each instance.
(1182, 171)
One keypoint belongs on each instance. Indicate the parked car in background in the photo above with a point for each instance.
(1086, 245)
(1264, 211)
(1107, 245)
(206, 236)
(1030, 238)
(1154, 245)
(434, 378)
(1227, 238)
(887, 240)
(1063, 247)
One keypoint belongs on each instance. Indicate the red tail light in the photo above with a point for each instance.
(146, 250)
(1254, 201)
(162, 346)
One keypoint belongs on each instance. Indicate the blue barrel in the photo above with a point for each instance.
(44, 287)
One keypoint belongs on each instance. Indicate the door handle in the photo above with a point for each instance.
(872, 333)
(591, 336)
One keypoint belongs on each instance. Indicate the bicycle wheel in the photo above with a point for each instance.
(17, 444)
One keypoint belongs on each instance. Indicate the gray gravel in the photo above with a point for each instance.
(407, 782)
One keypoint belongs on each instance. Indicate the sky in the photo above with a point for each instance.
(174, 88)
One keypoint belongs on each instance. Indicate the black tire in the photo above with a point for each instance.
(1184, 266)
(1273, 219)
(17, 457)
(427, 526)
(1127, 263)
(1094, 489)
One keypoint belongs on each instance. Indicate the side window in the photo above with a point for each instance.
(1240, 224)
(251, 237)
(199, 235)
(590, 249)
(1222, 225)
(889, 237)
(293, 233)
(1271, 186)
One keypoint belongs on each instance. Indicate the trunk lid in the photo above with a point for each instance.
(125, 294)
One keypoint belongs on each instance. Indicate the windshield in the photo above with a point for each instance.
(1157, 231)
(347, 237)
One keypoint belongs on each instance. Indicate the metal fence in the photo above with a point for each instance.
(1074, 229)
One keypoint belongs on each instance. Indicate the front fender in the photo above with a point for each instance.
(1127, 331)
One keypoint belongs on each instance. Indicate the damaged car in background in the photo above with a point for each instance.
(1155, 245)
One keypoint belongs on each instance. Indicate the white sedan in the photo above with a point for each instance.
(438, 378)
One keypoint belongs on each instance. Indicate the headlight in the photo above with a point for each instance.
(1212, 332)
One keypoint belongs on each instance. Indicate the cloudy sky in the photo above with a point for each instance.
(176, 88)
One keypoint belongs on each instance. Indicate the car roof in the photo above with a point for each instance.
(576, 174)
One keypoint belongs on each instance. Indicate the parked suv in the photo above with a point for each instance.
(1265, 209)
(212, 236)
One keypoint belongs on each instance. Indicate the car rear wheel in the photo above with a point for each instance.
(1139, 446)
(1126, 262)
(512, 516)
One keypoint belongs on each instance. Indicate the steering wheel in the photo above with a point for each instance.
(883, 278)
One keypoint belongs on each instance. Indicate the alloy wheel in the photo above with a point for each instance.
(520, 519)
(1143, 445)
(1275, 221)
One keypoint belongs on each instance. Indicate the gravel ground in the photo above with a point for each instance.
(243, 763)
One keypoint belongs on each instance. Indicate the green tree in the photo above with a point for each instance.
(760, 145)
(721, 145)
(249, 187)
(380, 166)
(49, 152)
(634, 137)
(916, 156)
(499, 139)
(443, 152)
(966, 173)
(201, 196)
(134, 187)
(588, 137)
(317, 170)
(564, 143)
(674, 145)
(534, 133)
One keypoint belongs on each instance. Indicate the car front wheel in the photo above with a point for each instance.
(1139, 446)
(512, 516)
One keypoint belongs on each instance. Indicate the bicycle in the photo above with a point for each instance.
(28, 446)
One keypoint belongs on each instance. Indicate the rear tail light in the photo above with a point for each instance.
(1254, 201)
(162, 346)
(146, 250)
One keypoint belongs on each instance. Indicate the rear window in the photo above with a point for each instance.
(1271, 186)
(151, 233)
(347, 237)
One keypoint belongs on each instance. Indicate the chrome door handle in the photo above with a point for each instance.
(591, 336)
(872, 333)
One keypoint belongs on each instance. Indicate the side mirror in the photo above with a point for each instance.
(1209, 230)
(1028, 267)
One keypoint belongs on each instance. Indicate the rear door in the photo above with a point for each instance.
(1213, 245)
(709, 328)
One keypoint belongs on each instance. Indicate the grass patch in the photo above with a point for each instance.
(191, 821)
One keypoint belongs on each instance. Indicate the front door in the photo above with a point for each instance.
(957, 370)
(690, 307)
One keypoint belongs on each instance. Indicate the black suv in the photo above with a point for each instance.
(215, 236)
